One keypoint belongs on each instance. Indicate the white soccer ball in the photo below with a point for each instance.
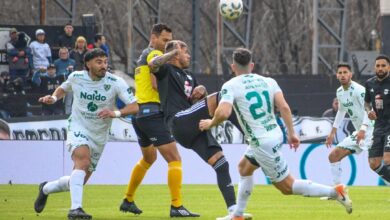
(230, 9)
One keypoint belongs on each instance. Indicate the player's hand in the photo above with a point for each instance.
(293, 141)
(48, 99)
(106, 113)
(371, 115)
(205, 124)
(198, 93)
(329, 140)
(360, 136)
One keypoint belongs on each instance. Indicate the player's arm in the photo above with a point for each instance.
(367, 103)
(126, 96)
(222, 113)
(129, 109)
(340, 115)
(361, 134)
(58, 94)
(158, 61)
(285, 112)
(151, 55)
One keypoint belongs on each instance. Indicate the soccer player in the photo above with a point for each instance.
(377, 104)
(350, 97)
(253, 98)
(178, 90)
(95, 91)
(152, 131)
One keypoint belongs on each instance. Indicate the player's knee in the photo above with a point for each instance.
(150, 158)
(374, 164)
(286, 191)
(333, 156)
(284, 188)
(82, 162)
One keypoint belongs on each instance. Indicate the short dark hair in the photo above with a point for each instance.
(171, 45)
(91, 54)
(4, 127)
(97, 37)
(383, 57)
(242, 56)
(344, 64)
(157, 29)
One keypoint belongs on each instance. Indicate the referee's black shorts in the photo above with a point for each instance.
(185, 129)
(152, 130)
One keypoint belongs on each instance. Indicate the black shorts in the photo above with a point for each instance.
(381, 142)
(185, 129)
(152, 130)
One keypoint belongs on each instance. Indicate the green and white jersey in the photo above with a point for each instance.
(252, 97)
(351, 101)
(90, 97)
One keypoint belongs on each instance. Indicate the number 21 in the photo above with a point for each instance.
(258, 104)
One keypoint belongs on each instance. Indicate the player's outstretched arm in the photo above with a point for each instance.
(59, 93)
(158, 61)
(370, 112)
(129, 109)
(222, 113)
(285, 112)
(330, 138)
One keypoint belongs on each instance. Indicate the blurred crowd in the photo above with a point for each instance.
(33, 71)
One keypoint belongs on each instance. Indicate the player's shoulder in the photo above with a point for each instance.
(371, 80)
(339, 90)
(357, 86)
(78, 74)
(267, 78)
(147, 51)
(112, 78)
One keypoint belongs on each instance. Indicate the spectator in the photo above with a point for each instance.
(13, 35)
(5, 133)
(41, 51)
(67, 39)
(100, 42)
(15, 91)
(4, 81)
(4, 84)
(47, 83)
(64, 65)
(20, 59)
(331, 113)
(77, 54)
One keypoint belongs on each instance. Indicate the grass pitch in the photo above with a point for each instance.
(102, 202)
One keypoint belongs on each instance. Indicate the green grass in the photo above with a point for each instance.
(102, 201)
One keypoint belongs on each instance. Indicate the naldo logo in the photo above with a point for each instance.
(95, 96)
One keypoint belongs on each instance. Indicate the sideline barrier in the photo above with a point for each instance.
(32, 162)
(309, 129)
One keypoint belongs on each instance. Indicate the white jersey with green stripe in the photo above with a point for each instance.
(252, 97)
(351, 101)
(90, 97)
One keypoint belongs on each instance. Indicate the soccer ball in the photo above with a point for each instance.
(230, 9)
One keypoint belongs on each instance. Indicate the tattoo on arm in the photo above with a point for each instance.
(156, 62)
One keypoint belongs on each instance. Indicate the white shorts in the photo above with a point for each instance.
(350, 142)
(77, 138)
(269, 157)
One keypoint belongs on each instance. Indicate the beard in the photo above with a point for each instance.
(381, 75)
